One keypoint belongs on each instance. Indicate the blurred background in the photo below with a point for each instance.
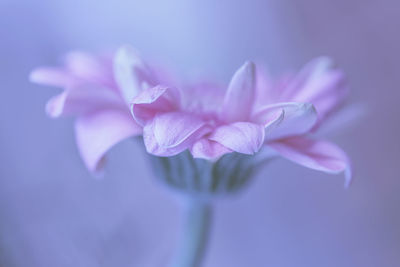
(53, 213)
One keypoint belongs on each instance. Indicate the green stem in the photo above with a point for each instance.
(196, 229)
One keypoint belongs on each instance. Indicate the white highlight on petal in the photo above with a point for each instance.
(131, 73)
(239, 98)
(298, 118)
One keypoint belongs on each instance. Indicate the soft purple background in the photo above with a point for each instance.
(52, 213)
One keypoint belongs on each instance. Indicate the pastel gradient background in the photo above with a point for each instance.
(54, 214)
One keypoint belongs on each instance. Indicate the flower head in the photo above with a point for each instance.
(121, 96)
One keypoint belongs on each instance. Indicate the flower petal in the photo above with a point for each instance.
(203, 96)
(154, 100)
(171, 133)
(75, 101)
(53, 77)
(315, 154)
(97, 132)
(173, 128)
(239, 98)
(131, 73)
(92, 68)
(80, 69)
(318, 83)
(242, 137)
(298, 118)
(208, 149)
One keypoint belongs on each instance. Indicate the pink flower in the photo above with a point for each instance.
(206, 119)
(249, 115)
(98, 90)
